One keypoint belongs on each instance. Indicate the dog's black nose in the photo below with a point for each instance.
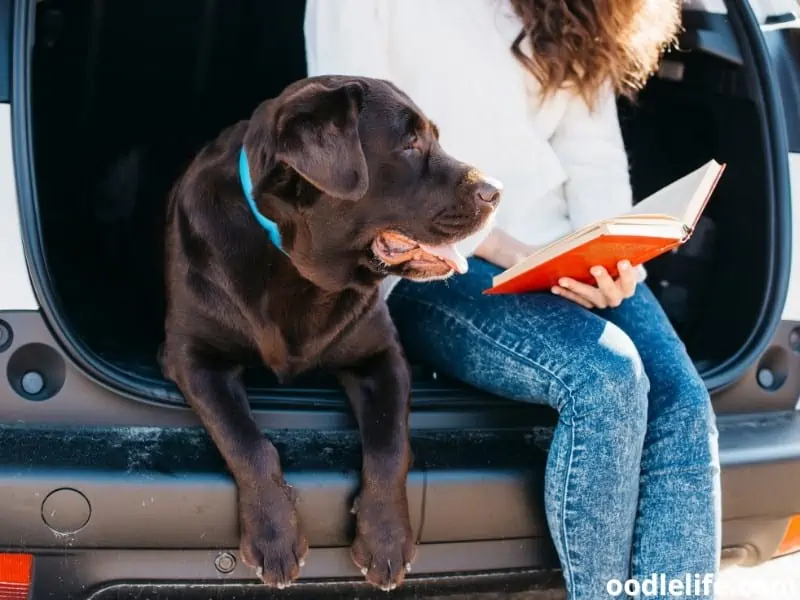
(488, 190)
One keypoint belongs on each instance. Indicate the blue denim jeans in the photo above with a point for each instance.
(632, 476)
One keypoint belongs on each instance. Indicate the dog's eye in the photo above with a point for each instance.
(412, 143)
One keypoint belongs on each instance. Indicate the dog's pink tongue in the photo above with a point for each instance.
(448, 254)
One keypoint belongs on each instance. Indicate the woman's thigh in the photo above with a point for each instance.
(530, 347)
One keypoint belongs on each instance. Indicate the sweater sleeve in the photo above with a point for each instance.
(590, 147)
(347, 37)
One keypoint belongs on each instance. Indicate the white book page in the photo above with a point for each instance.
(665, 229)
(684, 198)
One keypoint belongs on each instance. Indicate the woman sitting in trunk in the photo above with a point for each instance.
(526, 90)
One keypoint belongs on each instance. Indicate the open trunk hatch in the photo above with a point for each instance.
(123, 93)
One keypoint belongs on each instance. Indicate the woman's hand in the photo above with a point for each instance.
(607, 294)
(502, 249)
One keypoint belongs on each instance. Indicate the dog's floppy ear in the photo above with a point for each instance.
(317, 136)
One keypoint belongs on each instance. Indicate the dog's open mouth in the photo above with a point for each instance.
(394, 249)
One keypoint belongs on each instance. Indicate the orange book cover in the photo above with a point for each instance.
(656, 225)
(604, 251)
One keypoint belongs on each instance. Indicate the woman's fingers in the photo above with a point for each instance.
(627, 278)
(565, 293)
(610, 289)
(607, 294)
(595, 297)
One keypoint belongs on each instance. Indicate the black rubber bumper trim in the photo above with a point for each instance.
(85, 574)
(168, 489)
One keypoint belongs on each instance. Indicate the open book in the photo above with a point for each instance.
(657, 224)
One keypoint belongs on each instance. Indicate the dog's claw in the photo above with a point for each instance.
(364, 571)
(292, 493)
(259, 572)
(302, 563)
(408, 567)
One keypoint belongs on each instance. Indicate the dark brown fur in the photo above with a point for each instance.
(335, 161)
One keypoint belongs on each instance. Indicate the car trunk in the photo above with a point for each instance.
(122, 94)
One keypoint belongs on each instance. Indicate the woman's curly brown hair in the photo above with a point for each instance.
(583, 44)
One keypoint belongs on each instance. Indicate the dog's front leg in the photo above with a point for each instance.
(379, 389)
(271, 541)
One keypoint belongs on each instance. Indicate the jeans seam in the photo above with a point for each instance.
(565, 492)
(564, 496)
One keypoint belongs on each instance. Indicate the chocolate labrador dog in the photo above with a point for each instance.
(279, 234)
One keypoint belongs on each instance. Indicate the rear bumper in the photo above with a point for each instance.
(159, 515)
(151, 505)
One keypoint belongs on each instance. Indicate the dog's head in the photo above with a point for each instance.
(352, 172)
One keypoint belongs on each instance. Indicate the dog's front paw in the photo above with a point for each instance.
(384, 546)
(271, 540)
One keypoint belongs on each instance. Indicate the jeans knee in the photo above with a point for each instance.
(613, 380)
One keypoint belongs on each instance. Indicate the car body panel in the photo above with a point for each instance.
(158, 512)
(791, 311)
(16, 290)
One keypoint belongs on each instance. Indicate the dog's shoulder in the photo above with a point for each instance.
(206, 206)
(207, 237)
(213, 173)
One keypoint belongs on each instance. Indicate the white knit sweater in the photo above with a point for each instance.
(561, 165)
